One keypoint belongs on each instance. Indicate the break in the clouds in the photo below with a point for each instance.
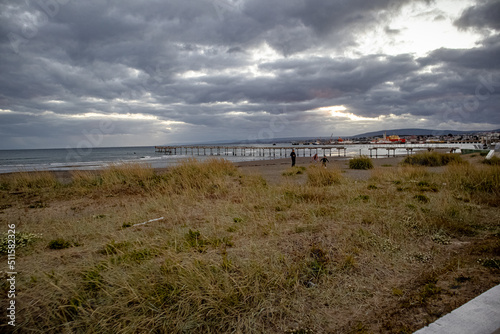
(120, 73)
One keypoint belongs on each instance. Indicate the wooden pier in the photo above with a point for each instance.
(409, 150)
(270, 151)
(281, 151)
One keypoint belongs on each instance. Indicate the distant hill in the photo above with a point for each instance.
(416, 132)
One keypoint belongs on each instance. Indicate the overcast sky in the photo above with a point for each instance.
(128, 72)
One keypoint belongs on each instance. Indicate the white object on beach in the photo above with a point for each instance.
(149, 221)
(490, 154)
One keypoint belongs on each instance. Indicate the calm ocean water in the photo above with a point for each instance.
(94, 158)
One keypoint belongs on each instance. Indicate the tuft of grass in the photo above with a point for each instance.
(427, 292)
(208, 175)
(296, 170)
(421, 198)
(349, 263)
(60, 243)
(114, 247)
(481, 182)
(319, 261)
(196, 241)
(92, 279)
(427, 186)
(494, 161)
(85, 179)
(320, 177)
(362, 162)
(363, 198)
(31, 181)
(126, 172)
(431, 159)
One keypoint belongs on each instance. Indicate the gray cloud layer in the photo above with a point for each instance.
(63, 59)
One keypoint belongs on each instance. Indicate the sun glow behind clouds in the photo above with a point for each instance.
(340, 112)
(419, 29)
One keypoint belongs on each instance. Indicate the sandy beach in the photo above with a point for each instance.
(272, 170)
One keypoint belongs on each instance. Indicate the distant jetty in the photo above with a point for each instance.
(282, 151)
(270, 151)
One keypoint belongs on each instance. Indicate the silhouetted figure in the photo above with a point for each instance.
(324, 160)
(293, 156)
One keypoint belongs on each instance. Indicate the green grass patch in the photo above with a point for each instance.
(60, 243)
(22, 239)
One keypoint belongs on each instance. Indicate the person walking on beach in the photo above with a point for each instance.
(293, 155)
(315, 158)
(324, 160)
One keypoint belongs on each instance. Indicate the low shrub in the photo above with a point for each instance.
(362, 162)
(432, 159)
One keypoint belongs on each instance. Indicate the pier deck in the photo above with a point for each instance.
(271, 151)
(281, 151)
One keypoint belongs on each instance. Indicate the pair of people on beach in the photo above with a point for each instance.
(323, 160)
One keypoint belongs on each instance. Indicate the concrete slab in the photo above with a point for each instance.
(479, 316)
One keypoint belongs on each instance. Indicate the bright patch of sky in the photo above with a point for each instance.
(418, 29)
(340, 112)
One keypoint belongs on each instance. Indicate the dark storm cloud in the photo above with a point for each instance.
(485, 57)
(196, 63)
(485, 14)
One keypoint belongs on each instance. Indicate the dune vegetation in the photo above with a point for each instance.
(206, 248)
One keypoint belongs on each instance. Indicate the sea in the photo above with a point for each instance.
(101, 157)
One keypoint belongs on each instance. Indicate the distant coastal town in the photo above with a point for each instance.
(485, 138)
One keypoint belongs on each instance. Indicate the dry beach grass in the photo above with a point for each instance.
(253, 248)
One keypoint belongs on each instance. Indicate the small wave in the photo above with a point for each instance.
(151, 158)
